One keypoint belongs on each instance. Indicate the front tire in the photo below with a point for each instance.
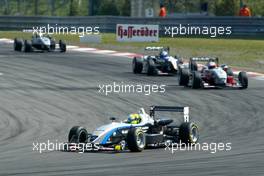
(243, 79)
(137, 65)
(136, 140)
(77, 134)
(189, 133)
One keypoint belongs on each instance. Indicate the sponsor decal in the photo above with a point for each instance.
(137, 33)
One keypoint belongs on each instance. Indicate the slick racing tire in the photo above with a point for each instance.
(193, 66)
(188, 133)
(136, 140)
(196, 80)
(243, 79)
(18, 45)
(27, 46)
(151, 68)
(62, 46)
(77, 134)
(183, 77)
(137, 65)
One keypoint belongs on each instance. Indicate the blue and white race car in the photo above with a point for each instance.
(139, 131)
(160, 63)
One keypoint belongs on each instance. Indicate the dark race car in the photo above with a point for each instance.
(211, 75)
(156, 63)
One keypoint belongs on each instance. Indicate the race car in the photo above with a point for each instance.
(157, 63)
(139, 131)
(211, 75)
(38, 42)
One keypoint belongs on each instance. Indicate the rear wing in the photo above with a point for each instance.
(205, 59)
(184, 110)
(157, 48)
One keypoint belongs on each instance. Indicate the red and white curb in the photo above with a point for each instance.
(101, 51)
(255, 75)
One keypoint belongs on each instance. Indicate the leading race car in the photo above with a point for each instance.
(38, 42)
(211, 75)
(156, 64)
(139, 131)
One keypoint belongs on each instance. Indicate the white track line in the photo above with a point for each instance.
(84, 49)
(106, 51)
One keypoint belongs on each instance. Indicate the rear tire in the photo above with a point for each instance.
(193, 66)
(243, 79)
(189, 133)
(52, 45)
(77, 134)
(136, 140)
(196, 80)
(137, 65)
(18, 45)
(183, 77)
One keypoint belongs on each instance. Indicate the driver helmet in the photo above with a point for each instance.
(163, 54)
(134, 118)
(225, 67)
(211, 65)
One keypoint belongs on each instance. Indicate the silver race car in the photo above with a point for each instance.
(38, 42)
(160, 63)
(139, 131)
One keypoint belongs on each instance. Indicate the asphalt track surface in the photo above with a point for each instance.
(44, 94)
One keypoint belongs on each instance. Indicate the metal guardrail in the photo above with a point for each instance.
(240, 25)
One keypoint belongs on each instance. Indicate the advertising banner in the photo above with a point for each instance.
(137, 33)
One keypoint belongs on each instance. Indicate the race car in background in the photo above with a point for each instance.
(211, 75)
(138, 132)
(160, 63)
(38, 42)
